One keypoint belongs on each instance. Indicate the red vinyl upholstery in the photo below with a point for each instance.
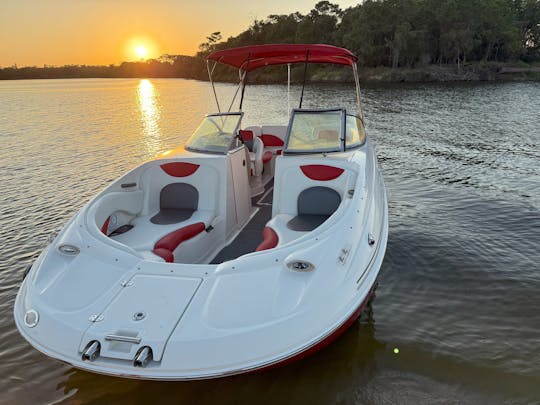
(179, 169)
(105, 226)
(246, 134)
(270, 239)
(166, 245)
(267, 157)
(167, 255)
(321, 172)
(271, 140)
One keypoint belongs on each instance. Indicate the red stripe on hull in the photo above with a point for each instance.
(323, 343)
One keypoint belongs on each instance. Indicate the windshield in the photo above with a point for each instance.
(355, 134)
(315, 131)
(216, 134)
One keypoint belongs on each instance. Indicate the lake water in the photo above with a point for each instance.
(459, 290)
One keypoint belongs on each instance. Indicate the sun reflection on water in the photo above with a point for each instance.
(150, 115)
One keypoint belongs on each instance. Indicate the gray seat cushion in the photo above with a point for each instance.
(315, 205)
(177, 203)
(303, 223)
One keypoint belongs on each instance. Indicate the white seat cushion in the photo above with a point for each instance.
(279, 225)
(144, 234)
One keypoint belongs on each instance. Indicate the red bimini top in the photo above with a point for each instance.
(249, 58)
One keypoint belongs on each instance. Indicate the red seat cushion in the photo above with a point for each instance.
(270, 239)
(267, 157)
(246, 134)
(179, 169)
(166, 245)
(271, 140)
(165, 254)
(105, 226)
(321, 172)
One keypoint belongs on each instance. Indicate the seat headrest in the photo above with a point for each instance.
(318, 201)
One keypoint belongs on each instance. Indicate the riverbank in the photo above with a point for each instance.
(445, 73)
(192, 68)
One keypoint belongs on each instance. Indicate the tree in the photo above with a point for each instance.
(212, 40)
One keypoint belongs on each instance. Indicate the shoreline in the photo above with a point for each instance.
(474, 72)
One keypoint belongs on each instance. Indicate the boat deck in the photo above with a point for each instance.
(251, 236)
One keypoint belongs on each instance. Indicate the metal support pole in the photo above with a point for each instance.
(305, 74)
(210, 72)
(244, 82)
(357, 83)
(235, 93)
(288, 88)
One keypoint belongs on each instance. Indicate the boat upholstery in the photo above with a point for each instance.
(179, 169)
(328, 135)
(270, 239)
(247, 137)
(145, 234)
(273, 137)
(315, 205)
(177, 203)
(168, 205)
(321, 172)
(312, 194)
(165, 247)
(267, 157)
(256, 157)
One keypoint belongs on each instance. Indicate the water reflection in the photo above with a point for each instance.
(345, 366)
(150, 115)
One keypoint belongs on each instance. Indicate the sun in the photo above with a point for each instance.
(141, 48)
(141, 51)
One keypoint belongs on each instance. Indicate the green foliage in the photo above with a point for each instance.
(411, 33)
(383, 33)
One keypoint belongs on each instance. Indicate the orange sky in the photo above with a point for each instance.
(58, 32)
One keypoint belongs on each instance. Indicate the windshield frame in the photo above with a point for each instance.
(343, 146)
(234, 135)
(339, 148)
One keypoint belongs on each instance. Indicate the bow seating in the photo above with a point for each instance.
(256, 149)
(313, 193)
(179, 203)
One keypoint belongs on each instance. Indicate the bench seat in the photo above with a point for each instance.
(144, 235)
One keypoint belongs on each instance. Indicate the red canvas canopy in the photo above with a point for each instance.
(249, 58)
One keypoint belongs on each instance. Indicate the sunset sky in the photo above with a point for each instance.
(59, 32)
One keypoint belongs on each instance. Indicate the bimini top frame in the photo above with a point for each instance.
(249, 58)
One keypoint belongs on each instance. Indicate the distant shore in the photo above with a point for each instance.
(436, 73)
(430, 73)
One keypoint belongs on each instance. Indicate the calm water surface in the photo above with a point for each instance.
(459, 290)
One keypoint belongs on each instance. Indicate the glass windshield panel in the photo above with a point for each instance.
(215, 134)
(315, 131)
(355, 135)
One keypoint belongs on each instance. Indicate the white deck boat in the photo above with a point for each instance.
(248, 248)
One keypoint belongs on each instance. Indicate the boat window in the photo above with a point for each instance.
(216, 134)
(315, 131)
(355, 134)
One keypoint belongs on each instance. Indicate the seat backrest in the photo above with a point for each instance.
(328, 135)
(273, 135)
(258, 149)
(247, 137)
(179, 196)
(318, 201)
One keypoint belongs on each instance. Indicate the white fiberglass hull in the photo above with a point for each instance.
(209, 320)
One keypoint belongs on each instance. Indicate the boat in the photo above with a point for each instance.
(246, 249)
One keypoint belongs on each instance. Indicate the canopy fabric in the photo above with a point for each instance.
(249, 58)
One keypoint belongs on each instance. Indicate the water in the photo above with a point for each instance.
(459, 287)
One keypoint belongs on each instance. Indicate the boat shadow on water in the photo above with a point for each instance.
(346, 364)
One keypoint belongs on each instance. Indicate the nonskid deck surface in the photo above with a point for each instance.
(251, 236)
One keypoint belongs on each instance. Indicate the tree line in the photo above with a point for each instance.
(389, 33)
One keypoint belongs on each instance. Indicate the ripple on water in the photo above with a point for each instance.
(458, 290)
